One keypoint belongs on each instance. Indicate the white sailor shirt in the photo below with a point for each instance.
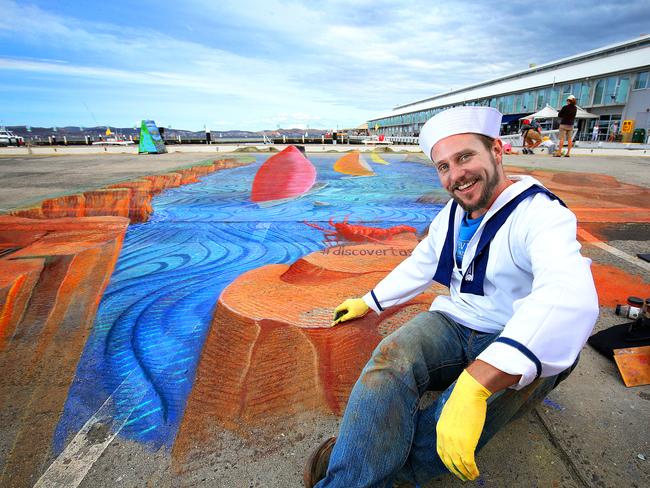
(537, 290)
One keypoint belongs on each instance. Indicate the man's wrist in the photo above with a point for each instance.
(490, 377)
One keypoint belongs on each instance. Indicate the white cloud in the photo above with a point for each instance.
(339, 60)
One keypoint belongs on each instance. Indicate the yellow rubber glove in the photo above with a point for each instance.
(353, 308)
(460, 425)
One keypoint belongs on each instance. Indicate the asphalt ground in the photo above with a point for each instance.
(26, 180)
(591, 431)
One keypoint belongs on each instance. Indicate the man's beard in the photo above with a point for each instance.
(488, 189)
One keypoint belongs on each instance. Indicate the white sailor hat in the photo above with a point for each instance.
(459, 120)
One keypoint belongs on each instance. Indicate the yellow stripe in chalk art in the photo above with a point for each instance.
(376, 158)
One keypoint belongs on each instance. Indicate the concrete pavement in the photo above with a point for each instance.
(28, 179)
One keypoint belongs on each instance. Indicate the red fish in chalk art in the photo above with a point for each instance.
(359, 233)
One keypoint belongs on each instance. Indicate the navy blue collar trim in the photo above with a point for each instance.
(475, 274)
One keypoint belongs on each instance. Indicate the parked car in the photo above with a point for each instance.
(8, 138)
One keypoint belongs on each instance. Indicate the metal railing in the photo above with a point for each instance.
(517, 139)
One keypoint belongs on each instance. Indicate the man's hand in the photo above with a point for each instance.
(350, 309)
(460, 426)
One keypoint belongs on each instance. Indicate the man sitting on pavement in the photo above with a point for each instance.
(522, 303)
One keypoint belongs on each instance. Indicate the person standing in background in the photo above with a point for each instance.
(594, 133)
(567, 117)
(613, 130)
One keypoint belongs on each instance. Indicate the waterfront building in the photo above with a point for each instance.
(612, 82)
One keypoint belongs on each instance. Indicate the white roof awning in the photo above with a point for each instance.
(549, 112)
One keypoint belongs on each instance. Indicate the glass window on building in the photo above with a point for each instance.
(583, 99)
(622, 89)
(536, 95)
(527, 102)
(547, 96)
(566, 91)
(542, 98)
(554, 98)
(576, 90)
(508, 104)
(499, 106)
(610, 90)
(518, 103)
(599, 92)
(641, 80)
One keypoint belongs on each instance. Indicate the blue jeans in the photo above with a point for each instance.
(385, 435)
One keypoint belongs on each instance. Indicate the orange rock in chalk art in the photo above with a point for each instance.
(285, 175)
(279, 356)
(64, 206)
(34, 212)
(140, 202)
(105, 202)
(162, 182)
(53, 273)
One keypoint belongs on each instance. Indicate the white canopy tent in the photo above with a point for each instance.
(549, 112)
(583, 114)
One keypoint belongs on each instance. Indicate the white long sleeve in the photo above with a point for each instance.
(538, 291)
(554, 321)
(413, 275)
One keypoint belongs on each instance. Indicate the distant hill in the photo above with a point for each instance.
(94, 132)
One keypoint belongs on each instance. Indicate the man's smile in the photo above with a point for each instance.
(465, 186)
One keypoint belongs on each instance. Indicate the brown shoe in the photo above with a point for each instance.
(316, 467)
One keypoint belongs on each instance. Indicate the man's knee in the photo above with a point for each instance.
(395, 352)
(397, 355)
(409, 352)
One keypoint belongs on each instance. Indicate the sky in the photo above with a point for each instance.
(255, 65)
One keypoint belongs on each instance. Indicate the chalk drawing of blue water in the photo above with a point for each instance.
(148, 334)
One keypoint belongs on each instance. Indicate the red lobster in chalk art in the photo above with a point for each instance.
(359, 233)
